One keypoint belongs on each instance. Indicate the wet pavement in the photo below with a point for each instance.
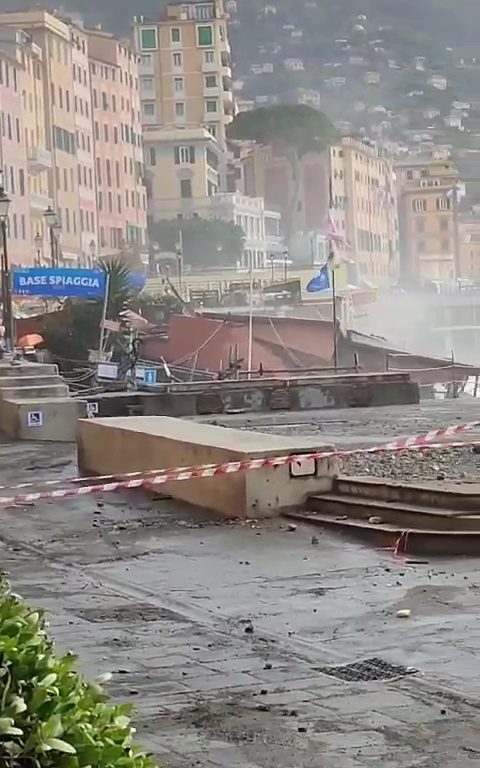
(224, 636)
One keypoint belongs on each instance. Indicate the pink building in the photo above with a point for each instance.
(13, 160)
(82, 105)
(121, 194)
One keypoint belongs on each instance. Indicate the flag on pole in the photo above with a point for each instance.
(320, 282)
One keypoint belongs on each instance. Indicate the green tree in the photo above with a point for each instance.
(205, 242)
(72, 331)
(295, 130)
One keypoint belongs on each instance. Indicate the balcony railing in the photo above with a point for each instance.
(39, 159)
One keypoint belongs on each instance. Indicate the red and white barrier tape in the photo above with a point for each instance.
(418, 443)
(400, 444)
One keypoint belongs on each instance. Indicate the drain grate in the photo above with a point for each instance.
(366, 670)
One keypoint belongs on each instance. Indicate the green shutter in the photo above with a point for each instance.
(148, 39)
(205, 35)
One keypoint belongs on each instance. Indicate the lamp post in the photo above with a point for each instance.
(38, 247)
(52, 222)
(179, 252)
(92, 251)
(5, 269)
(285, 265)
(272, 266)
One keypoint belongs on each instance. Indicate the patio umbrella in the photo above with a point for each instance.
(30, 340)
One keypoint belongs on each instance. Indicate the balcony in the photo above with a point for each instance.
(39, 160)
(39, 202)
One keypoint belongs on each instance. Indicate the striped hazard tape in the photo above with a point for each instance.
(160, 477)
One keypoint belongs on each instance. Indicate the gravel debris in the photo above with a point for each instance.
(434, 464)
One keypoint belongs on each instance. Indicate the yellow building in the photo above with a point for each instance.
(186, 81)
(428, 202)
(365, 210)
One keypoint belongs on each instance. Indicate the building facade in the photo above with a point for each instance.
(428, 212)
(364, 208)
(117, 144)
(186, 78)
(70, 103)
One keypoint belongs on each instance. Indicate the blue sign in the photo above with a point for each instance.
(59, 283)
(150, 376)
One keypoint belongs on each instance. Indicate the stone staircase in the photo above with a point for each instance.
(35, 403)
(434, 518)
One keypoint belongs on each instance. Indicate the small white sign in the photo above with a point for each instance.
(92, 408)
(35, 419)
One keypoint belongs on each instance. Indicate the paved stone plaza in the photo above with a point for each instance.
(224, 635)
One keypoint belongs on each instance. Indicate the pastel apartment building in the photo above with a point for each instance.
(117, 145)
(185, 84)
(58, 158)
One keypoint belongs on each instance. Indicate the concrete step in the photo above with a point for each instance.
(28, 369)
(11, 382)
(417, 542)
(34, 392)
(405, 516)
(448, 495)
(52, 419)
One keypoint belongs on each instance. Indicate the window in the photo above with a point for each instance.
(205, 35)
(419, 205)
(184, 155)
(177, 60)
(109, 175)
(153, 156)
(105, 131)
(175, 35)
(148, 39)
(117, 173)
(443, 203)
(209, 57)
(179, 109)
(211, 105)
(185, 188)
(21, 181)
(149, 108)
(147, 83)
(210, 81)
(115, 135)
(178, 84)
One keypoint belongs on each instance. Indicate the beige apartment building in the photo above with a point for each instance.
(428, 201)
(364, 208)
(70, 139)
(117, 145)
(185, 84)
(53, 36)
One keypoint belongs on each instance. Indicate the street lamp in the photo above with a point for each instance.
(92, 250)
(38, 247)
(5, 269)
(285, 265)
(51, 221)
(272, 266)
(179, 252)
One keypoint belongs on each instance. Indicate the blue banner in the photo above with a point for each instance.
(59, 282)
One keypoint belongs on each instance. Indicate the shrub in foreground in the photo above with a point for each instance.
(49, 716)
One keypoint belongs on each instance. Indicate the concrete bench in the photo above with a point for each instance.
(117, 446)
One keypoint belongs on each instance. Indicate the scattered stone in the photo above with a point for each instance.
(267, 665)
(375, 520)
(249, 630)
(262, 708)
(263, 692)
(404, 613)
(100, 504)
(293, 713)
(302, 729)
(314, 540)
(292, 527)
(122, 672)
(133, 692)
